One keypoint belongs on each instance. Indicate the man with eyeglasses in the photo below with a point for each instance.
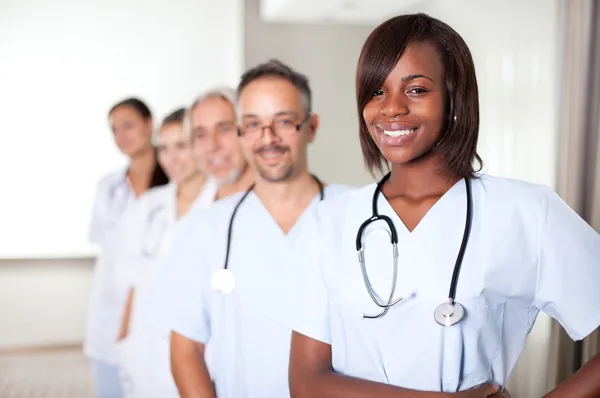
(227, 316)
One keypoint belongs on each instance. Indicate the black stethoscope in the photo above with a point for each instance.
(446, 314)
(223, 280)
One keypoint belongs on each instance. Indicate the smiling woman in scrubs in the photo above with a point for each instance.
(117, 194)
(143, 345)
(527, 252)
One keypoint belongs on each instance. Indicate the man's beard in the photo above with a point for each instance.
(233, 176)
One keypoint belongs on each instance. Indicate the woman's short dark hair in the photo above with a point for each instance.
(159, 177)
(380, 54)
(136, 104)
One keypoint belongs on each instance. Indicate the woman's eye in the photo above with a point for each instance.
(377, 93)
(417, 90)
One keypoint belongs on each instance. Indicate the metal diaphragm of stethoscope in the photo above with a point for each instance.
(446, 314)
(223, 280)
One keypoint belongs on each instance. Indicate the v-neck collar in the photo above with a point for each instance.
(252, 197)
(386, 208)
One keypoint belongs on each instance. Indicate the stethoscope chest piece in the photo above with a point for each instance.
(223, 281)
(449, 314)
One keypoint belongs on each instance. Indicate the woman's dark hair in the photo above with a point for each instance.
(380, 54)
(158, 176)
(138, 105)
(177, 116)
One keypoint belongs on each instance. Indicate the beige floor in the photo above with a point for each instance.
(57, 374)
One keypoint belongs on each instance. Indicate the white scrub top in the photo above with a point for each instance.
(144, 353)
(528, 251)
(115, 231)
(247, 350)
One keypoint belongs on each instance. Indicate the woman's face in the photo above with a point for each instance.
(175, 153)
(405, 116)
(132, 133)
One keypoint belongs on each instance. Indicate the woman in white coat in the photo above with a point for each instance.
(427, 283)
(117, 195)
(144, 343)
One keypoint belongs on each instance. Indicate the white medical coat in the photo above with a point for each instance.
(247, 350)
(114, 230)
(528, 251)
(144, 353)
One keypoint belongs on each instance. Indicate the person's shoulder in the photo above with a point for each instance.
(214, 214)
(343, 200)
(224, 205)
(334, 190)
(340, 193)
(511, 191)
(160, 193)
(511, 204)
(113, 177)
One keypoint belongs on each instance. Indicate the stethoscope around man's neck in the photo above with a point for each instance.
(446, 314)
(223, 280)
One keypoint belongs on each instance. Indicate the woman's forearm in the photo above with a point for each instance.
(332, 385)
(583, 384)
(124, 330)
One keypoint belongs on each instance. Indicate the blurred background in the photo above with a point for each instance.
(64, 62)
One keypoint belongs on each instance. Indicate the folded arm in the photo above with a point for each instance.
(311, 375)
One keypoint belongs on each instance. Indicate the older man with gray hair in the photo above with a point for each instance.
(212, 124)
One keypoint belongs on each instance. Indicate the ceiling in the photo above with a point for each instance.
(351, 12)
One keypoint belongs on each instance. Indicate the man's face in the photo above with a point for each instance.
(215, 141)
(276, 129)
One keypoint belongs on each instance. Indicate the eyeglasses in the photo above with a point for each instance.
(281, 126)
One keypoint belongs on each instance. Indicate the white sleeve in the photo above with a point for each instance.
(568, 283)
(308, 311)
(180, 297)
(96, 225)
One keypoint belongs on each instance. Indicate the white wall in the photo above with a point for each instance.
(516, 46)
(63, 63)
(43, 302)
